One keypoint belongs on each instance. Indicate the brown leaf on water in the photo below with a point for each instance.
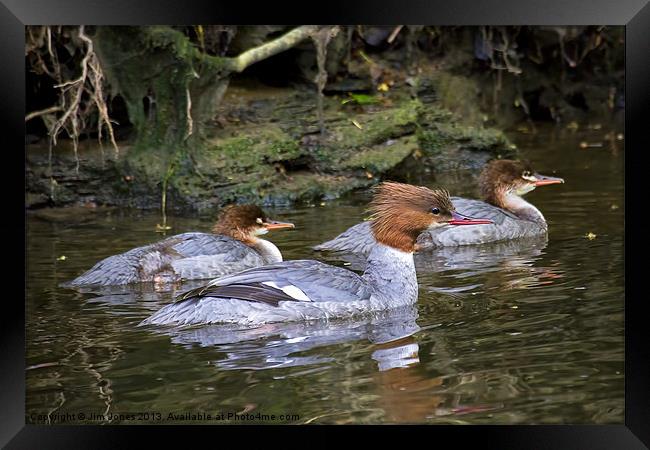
(248, 407)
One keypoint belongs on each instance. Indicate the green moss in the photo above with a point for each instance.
(458, 94)
(159, 66)
(272, 162)
(383, 157)
(360, 140)
(377, 127)
(310, 188)
(260, 146)
(166, 38)
(442, 135)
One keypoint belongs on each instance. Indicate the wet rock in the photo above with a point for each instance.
(376, 36)
(36, 200)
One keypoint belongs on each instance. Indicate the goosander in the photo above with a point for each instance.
(232, 246)
(502, 184)
(308, 289)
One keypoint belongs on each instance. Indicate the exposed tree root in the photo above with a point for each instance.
(77, 98)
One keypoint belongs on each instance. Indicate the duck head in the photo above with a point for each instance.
(246, 222)
(400, 212)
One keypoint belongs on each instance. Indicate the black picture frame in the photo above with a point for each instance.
(15, 14)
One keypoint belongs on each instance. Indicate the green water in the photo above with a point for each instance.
(528, 332)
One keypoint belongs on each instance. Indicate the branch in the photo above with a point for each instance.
(190, 122)
(77, 96)
(284, 42)
(34, 114)
(394, 34)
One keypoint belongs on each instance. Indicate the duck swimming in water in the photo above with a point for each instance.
(502, 184)
(233, 245)
(307, 289)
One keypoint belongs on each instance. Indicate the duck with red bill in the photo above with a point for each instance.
(308, 289)
(461, 219)
(502, 185)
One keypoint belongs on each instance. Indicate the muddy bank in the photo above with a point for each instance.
(265, 146)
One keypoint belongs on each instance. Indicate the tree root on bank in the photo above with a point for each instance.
(77, 98)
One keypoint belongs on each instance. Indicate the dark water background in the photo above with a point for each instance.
(528, 332)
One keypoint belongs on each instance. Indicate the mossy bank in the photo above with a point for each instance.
(268, 149)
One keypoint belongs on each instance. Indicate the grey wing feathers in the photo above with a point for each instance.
(117, 269)
(211, 256)
(198, 244)
(319, 282)
(356, 239)
(481, 210)
(173, 254)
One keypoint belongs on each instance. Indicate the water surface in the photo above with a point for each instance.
(521, 332)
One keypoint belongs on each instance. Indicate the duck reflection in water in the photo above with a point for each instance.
(409, 394)
(280, 344)
(406, 391)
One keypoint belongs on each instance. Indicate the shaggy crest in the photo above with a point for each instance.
(400, 212)
(239, 222)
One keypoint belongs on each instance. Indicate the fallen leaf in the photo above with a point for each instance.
(356, 124)
(363, 99)
(62, 258)
(591, 236)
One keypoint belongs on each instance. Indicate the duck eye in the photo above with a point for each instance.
(435, 211)
(259, 220)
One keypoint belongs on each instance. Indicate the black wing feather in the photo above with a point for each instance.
(252, 292)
